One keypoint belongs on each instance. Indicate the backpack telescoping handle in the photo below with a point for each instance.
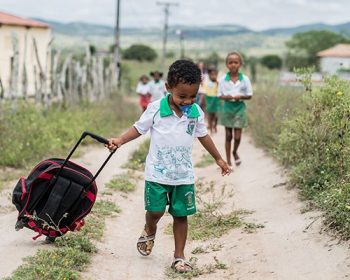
(97, 138)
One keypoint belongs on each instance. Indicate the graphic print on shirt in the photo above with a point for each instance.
(190, 127)
(173, 163)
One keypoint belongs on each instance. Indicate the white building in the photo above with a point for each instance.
(19, 67)
(335, 59)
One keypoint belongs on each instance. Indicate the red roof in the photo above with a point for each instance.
(7, 19)
(340, 50)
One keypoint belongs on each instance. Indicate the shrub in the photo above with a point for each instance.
(140, 52)
(309, 132)
(271, 61)
(315, 145)
(267, 110)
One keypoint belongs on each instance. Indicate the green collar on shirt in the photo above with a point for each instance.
(228, 77)
(166, 111)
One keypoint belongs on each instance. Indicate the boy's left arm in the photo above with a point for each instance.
(209, 145)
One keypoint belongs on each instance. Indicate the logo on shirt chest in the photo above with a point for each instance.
(190, 127)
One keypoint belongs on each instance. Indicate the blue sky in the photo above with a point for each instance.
(254, 14)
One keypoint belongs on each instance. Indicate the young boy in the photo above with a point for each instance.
(143, 90)
(173, 121)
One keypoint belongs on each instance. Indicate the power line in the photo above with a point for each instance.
(167, 6)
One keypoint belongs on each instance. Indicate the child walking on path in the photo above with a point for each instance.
(157, 86)
(234, 88)
(143, 90)
(174, 122)
(212, 102)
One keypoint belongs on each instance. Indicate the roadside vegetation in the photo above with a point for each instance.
(30, 133)
(308, 131)
(205, 160)
(197, 269)
(138, 157)
(123, 183)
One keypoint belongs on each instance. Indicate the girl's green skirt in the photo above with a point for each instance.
(233, 114)
(212, 104)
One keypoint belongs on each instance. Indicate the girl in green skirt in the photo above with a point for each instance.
(212, 102)
(234, 88)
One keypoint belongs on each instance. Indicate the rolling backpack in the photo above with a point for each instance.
(56, 195)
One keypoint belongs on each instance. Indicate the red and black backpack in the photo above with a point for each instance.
(56, 195)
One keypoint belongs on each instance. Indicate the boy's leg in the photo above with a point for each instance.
(228, 140)
(237, 141)
(182, 204)
(152, 219)
(155, 203)
(180, 227)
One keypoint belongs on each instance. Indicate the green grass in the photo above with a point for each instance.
(197, 270)
(209, 222)
(214, 247)
(29, 134)
(122, 183)
(252, 227)
(72, 252)
(270, 106)
(138, 158)
(206, 160)
(206, 224)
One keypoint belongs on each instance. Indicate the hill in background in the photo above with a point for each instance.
(199, 40)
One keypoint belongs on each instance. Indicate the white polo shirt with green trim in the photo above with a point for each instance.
(169, 160)
(229, 88)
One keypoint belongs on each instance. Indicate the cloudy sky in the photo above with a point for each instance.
(254, 14)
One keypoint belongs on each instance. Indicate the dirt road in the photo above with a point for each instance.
(284, 249)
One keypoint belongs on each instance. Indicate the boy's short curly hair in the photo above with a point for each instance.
(185, 72)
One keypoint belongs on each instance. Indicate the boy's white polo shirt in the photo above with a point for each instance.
(169, 160)
(229, 88)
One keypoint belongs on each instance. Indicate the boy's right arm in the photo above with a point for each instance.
(115, 143)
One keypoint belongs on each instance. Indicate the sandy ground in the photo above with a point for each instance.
(16, 245)
(286, 248)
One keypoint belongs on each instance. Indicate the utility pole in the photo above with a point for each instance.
(182, 45)
(117, 31)
(117, 41)
(166, 5)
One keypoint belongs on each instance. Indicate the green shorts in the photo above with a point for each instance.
(181, 199)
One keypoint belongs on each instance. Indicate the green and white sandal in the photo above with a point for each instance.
(145, 243)
(180, 265)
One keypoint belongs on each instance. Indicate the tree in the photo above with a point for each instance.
(140, 52)
(213, 59)
(271, 61)
(303, 47)
(252, 61)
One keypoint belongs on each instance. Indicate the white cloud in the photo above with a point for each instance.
(251, 13)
